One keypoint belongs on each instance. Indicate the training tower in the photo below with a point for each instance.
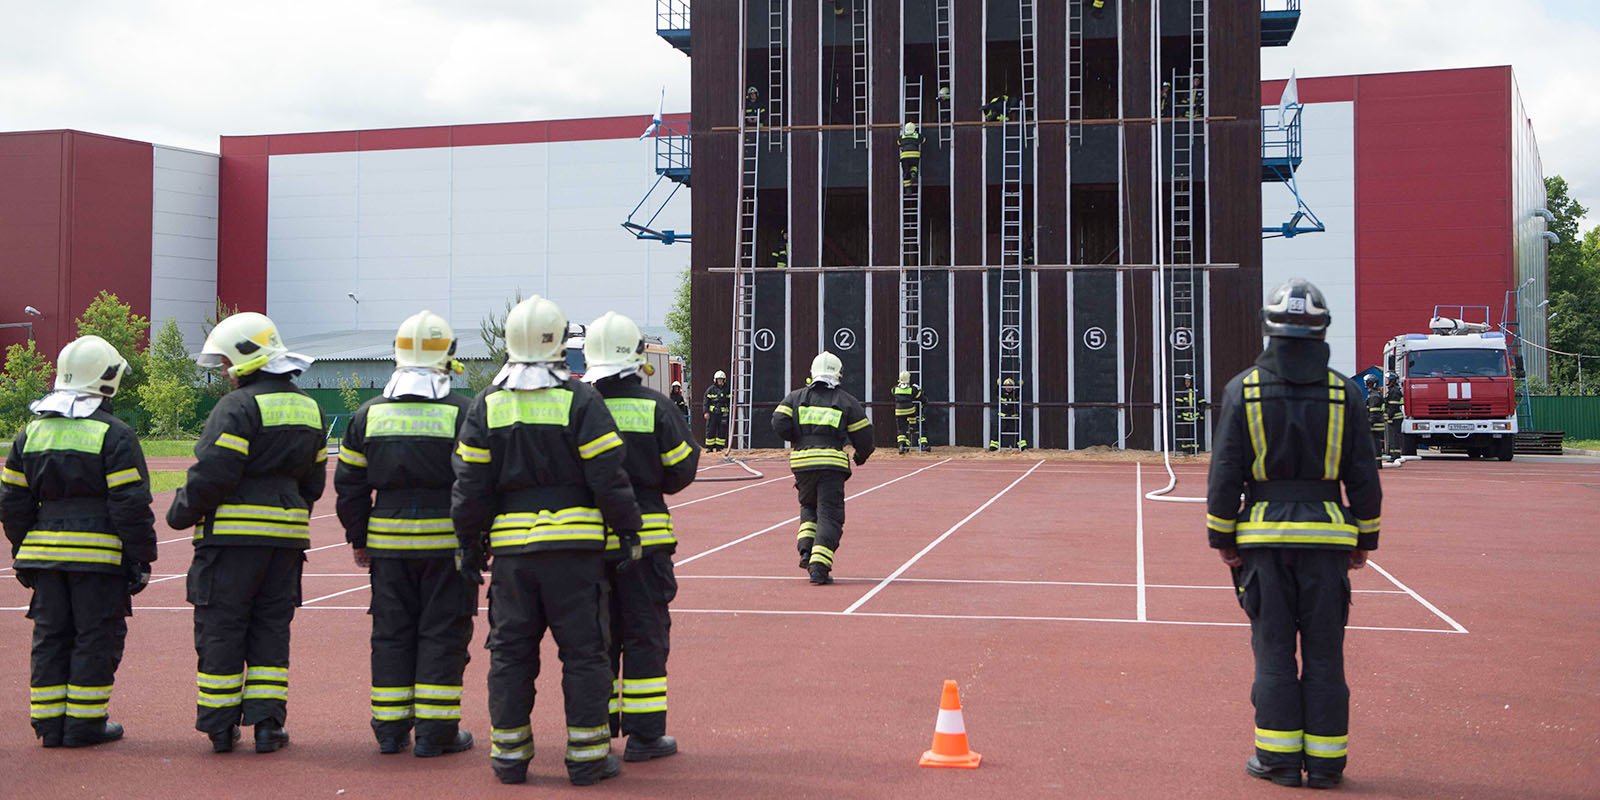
(1094, 246)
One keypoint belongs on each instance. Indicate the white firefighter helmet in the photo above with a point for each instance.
(911, 128)
(247, 341)
(424, 340)
(612, 345)
(826, 367)
(90, 364)
(905, 376)
(720, 376)
(536, 331)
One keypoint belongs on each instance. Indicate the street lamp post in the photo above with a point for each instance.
(29, 311)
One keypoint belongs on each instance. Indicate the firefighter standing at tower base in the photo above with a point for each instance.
(1009, 407)
(399, 446)
(1288, 436)
(539, 470)
(819, 420)
(259, 466)
(660, 461)
(76, 509)
(1375, 416)
(717, 413)
(1394, 404)
(908, 418)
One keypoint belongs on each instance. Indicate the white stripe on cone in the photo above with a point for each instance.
(949, 722)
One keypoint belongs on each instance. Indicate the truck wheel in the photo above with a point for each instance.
(1408, 447)
(1505, 448)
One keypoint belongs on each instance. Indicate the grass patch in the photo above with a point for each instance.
(1583, 444)
(166, 448)
(165, 480)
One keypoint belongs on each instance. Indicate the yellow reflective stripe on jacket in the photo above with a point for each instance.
(607, 441)
(61, 433)
(657, 530)
(406, 525)
(238, 444)
(288, 409)
(821, 415)
(237, 510)
(76, 555)
(1327, 746)
(1368, 525)
(1279, 741)
(389, 533)
(123, 477)
(1333, 454)
(78, 538)
(676, 455)
(1258, 429)
(384, 541)
(819, 456)
(237, 519)
(784, 409)
(859, 424)
(537, 407)
(1220, 525)
(1292, 533)
(14, 478)
(632, 414)
(352, 457)
(576, 524)
(472, 455)
(430, 420)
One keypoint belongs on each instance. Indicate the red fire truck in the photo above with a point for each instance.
(1458, 385)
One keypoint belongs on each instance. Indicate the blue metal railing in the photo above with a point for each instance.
(1280, 135)
(673, 15)
(1280, 5)
(673, 156)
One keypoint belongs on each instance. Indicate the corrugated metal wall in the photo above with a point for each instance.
(1578, 417)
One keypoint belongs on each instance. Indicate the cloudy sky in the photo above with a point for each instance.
(181, 72)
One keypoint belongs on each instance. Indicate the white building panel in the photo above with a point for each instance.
(183, 240)
(1328, 259)
(461, 230)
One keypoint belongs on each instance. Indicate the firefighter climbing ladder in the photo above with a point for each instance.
(945, 99)
(1188, 136)
(1075, 69)
(858, 61)
(776, 12)
(744, 293)
(911, 252)
(1009, 404)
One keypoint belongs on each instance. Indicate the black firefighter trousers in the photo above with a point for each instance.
(640, 642)
(244, 598)
(821, 514)
(79, 627)
(1302, 713)
(422, 612)
(563, 592)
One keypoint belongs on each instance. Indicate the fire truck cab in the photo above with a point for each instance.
(1458, 387)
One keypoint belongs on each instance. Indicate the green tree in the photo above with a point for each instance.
(168, 394)
(114, 321)
(492, 330)
(26, 378)
(1573, 272)
(349, 392)
(678, 319)
(213, 383)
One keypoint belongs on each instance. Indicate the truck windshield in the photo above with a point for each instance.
(1456, 363)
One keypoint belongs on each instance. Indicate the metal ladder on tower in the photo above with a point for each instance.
(1009, 404)
(858, 61)
(744, 293)
(1075, 70)
(945, 92)
(911, 251)
(776, 11)
(1187, 136)
(1029, 84)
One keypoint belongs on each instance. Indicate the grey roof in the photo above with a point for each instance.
(372, 345)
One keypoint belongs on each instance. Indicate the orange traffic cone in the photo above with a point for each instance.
(950, 735)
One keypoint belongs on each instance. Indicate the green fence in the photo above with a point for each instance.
(1578, 417)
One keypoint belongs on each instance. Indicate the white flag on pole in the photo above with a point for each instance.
(1288, 101)
(655, 122)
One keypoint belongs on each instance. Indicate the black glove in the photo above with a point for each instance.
(469, 562)
(25, 577)
(860, 458)
(632, 550)
(138, 577)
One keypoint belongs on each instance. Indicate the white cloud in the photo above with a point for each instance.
(1553, 48)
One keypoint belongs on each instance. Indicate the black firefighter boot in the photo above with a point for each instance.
(429, 749)
(223, 741)
(390, 745)
(50, 730)
(1283, 776)
(105, 731)
(819, 575)
(270, 736)
(509, 771)
(593, 772)
(641, 749)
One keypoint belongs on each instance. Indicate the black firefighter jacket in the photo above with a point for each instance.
(819, 420)
(661, 456)
(400, 448)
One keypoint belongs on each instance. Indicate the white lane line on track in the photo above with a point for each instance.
(724, 494)
(935, 543)
(1417, 597)
(1138, 537)
(328, 547)
(983, 582)
(337, 594)
(794, 519)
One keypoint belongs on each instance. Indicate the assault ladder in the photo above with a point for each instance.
(945, 72)
(1075, 69)
(1188, 137)
(858, 61)
(776, 12)
(911, 251)
(744, 293)
(1009, 407)
(1029, 85)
